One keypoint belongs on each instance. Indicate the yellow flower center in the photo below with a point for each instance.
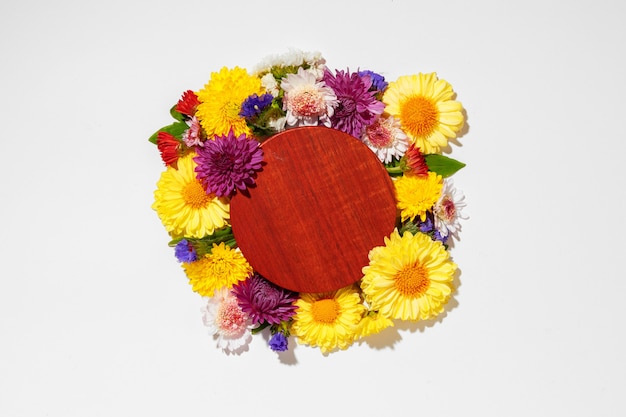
(325, 311)
(419, 116)
(412, 280)
(194, 195)
(220, 268)
(231, 111)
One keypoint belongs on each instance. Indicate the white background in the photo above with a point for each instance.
(97, 317)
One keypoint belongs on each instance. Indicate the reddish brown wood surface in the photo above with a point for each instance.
(321, 202)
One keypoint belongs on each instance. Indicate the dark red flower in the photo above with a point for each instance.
(415, 160)
(188, 103)
(169, 148)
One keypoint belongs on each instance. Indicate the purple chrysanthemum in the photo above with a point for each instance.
(255, 104)
(264, 301)
(358, 106)
(279, 342)
(228, 163)
(378, 81)
(185, 252)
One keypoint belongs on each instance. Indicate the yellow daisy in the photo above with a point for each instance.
(222, 267)
(184, 207)
(373, 323)
(328, 320)
(416, 194)
(221, 99)
(410, 278)
(427, 113)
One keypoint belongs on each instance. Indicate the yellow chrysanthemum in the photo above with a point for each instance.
(416, 194)
(221, 99)
(410, 278)
(222, 267)
(373, 323)
(328, 320)
(183, 205)
(427, 113)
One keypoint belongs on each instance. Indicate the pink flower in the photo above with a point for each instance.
(227, 322)
(307, 101)
(193, 136)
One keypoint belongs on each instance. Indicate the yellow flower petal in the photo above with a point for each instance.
(381, 292)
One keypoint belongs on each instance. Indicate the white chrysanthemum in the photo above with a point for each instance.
(270, 84)
(317, 64)
(278, 124)
(228, 324)
(294, 57)
(386, 139)
(307, 101)
(448, 209)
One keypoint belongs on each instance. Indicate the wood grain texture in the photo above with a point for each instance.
(321, 202)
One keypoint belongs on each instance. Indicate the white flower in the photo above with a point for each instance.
(448, 209)
(386, 139)
(228, 324)
(278, 124)
(294, 57)
(270, 84)
(317, 64)
(307, 101)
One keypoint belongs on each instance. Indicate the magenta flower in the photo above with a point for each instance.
(228, 163)
(264, 301)
(358, 106)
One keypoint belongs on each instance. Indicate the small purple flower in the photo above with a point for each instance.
(278, 342)
(185, 252)
(264, 301)
(427, 225)
(254, 105)
(437, 236)
(358, 106)
(228, 163)
(378, 81)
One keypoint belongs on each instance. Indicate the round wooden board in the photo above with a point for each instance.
(321, 202)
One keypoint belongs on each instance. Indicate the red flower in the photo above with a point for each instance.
(415, 160)
(188, 103)
(169, 148)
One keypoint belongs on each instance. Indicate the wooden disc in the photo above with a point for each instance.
(321, 202)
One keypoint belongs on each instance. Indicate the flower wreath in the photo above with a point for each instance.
(213, 151)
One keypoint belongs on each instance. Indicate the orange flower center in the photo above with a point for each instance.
(194, 195)
(412, 280)
(325, 311)
(419, 116)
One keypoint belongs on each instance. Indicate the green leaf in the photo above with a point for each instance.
(442, 164)
(177, 129)
(260, 327)
(177, 115)
(396, 167)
